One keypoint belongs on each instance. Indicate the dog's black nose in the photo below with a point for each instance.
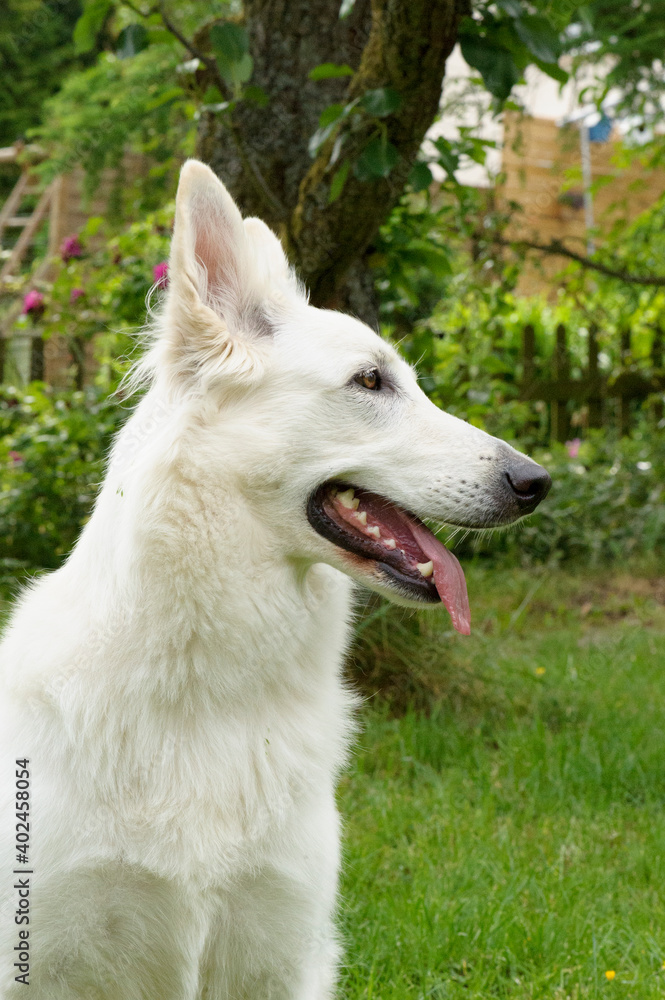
(529, 482)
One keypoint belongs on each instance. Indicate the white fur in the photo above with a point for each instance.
(176, 684)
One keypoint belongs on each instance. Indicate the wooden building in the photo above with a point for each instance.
(542, 171)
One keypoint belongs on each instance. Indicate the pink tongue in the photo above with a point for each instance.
(448, 578)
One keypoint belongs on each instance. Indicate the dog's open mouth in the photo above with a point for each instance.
(396, 543)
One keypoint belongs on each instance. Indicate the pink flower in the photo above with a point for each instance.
(16, 457)
(75, 294)
(573, 447)
(70, 248)
(161, 274)
(33, 304)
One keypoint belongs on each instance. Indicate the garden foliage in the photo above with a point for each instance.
(456, 318)
(119, 103)
(607, 504)
(101, 288)
(449, 298)
(53, 448)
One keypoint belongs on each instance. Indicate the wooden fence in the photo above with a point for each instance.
(57, 355)
(592, 390)
(605, 400)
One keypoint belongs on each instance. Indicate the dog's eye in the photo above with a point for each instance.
(369, 379)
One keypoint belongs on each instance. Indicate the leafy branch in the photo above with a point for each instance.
(136, 10)
(194, 50)
(211, 64)
(557, 248)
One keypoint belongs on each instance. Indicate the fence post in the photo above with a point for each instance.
(560, 370)
(624, 401)
(77, 350)
(3, 354)
(528, 368)
(657, 362)
(37, 359)
(528, 354)
(595, 404)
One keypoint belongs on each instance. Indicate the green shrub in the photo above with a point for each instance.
(459, 318)
(100, 290)
(53, 448)
(607, 503)
(119, 104)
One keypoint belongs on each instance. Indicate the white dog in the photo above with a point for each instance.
(173, 717)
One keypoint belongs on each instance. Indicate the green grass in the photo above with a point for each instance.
(508, 838)
(510, 842)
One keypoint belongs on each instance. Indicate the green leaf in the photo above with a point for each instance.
(160, 36)
(329, 71)
(420, 177)
(338, 182)
(242, 70)
(346, 8)
(539, 37)
(319, 138)
(448, 156)
(495, 65)
(381, 102)
(90, 24)
(213, 95)
(513, 8)
(435, 259)
(230, 43)
(331, 114)
(376, 160)
(132, 39)
(93, 225)
(169, 95)
(553, 70)
(256, 95)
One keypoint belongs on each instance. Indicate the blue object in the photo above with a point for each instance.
(600, 132)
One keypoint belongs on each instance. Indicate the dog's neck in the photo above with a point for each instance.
(189, 595)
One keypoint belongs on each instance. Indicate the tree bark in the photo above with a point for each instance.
(401, 44)
(288, 38)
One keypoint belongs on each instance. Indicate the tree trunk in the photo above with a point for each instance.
(287, 40)
(401, 44)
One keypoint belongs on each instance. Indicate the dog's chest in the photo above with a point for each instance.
(216, 790)
(221, 801)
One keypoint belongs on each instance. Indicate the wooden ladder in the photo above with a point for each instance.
(11, 218)
(28, 223)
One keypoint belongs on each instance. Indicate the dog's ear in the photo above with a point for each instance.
(226, 277)
(269, 255)
(210, 267)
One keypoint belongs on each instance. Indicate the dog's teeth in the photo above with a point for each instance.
(376, 531)
(362, 517)
(426, 568)
(390, 543)
(348, 500)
